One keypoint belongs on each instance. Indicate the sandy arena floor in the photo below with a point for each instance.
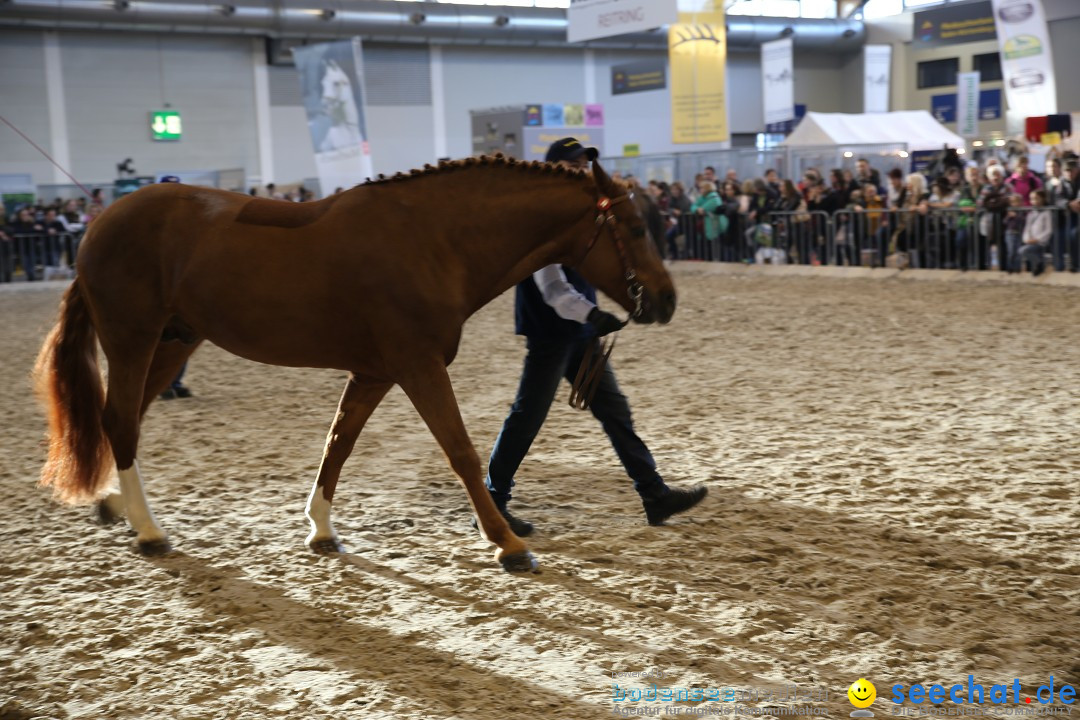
(893, 470)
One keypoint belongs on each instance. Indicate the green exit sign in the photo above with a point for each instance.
(165, 124)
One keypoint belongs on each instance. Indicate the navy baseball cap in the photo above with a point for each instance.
(569, 149)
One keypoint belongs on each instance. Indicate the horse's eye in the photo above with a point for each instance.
(637, 231)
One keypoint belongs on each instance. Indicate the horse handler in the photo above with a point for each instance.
(556, 311)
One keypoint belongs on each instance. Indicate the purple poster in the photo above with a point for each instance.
(594, 115)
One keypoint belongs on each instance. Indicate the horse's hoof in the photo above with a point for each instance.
(104, 515)
(327, 546)
(155, 548)
(521, 562)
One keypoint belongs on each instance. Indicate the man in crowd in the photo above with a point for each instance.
(866, 174)
(1068, 198)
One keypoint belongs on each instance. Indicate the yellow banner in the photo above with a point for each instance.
(697, 53)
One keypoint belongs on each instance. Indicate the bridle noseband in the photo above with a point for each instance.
(606, 218)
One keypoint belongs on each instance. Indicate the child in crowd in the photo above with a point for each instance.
(1014, 228)
(1038, 229)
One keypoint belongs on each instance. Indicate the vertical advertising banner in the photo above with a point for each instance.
(1026, 65)
(967, 104)
(877, 69)
(331, 83)
(778, 80)
(697, 51)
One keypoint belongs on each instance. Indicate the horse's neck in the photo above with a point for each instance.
(528, 222)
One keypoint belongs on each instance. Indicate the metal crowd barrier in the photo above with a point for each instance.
(36, 252)
(955, 238)
(687, 240)
(798, 237)
(963, 238)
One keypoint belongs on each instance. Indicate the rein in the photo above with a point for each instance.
(597, 352)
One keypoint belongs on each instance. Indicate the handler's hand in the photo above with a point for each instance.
(603, 322)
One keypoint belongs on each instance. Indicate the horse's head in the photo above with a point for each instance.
(622, 260)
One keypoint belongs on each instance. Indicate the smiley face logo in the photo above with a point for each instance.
(862, 693)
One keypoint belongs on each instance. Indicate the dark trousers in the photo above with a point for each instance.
(1031, 255)
(546, 364)
(845, 251)
(178, 380)
(1067, 240)
(7, 260)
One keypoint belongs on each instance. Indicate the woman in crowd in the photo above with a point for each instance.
(678, 214)
(729, 239)
(72, 220)
(706, 207)
(994, 203)
(796, 225)
(818, 200)
(909, 226)
(839, 188)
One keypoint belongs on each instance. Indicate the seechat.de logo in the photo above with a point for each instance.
(974, 693)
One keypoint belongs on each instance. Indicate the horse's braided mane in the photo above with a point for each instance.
(496, 160)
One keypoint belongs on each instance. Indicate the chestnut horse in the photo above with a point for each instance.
(376, 281)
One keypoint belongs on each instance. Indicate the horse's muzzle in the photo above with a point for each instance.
(657, 309)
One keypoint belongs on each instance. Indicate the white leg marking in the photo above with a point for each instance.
(318, 513)
(138, 511)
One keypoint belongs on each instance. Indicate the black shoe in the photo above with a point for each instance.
(521, 528)
(181, 391)
(677, 500)
(169, 394)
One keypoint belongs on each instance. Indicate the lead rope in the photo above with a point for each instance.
(583, 389)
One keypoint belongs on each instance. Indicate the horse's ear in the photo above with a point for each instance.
(603, 180)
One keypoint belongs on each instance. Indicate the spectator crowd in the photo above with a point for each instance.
(1000, 214)
(43, 238)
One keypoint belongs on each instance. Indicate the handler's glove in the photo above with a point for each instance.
(603, 322)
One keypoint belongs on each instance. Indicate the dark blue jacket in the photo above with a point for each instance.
(535, 319)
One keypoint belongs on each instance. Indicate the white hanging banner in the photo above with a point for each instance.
(778, 80)
(877, 69)
(1026, 64)
(967, 104)
(591, 19)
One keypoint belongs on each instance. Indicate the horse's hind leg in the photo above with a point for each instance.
(433, 397)
(168, 358)
(129, 364)
(358, 401)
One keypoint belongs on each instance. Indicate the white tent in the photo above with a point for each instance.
(917, 128)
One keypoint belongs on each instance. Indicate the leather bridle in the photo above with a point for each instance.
(596, 354)
(605, 217)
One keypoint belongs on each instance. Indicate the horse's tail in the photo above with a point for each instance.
(68, 383)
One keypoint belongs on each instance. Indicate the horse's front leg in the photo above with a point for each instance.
(431, 394)
(358, 401)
